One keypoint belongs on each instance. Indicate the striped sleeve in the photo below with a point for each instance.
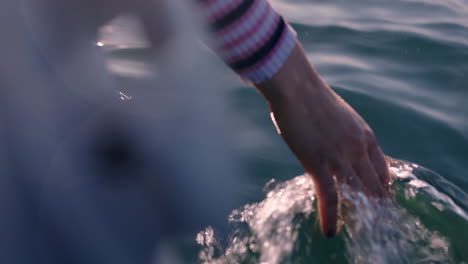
(249, 36)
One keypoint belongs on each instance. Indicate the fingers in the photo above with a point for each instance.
(371, 181)
(346, 174)
(380, 165)
(365, 172)
(327, 202)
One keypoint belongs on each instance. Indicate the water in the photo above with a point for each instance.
(403, 65)
(279, 229)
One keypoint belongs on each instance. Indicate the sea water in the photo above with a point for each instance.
(409, 229)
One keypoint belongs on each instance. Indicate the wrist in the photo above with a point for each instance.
(294, 82)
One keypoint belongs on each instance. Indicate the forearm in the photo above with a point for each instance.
(298, 97)
(296, 79)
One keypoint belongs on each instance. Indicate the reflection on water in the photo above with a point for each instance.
(385, 231)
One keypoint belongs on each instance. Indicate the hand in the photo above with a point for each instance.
(328, 137)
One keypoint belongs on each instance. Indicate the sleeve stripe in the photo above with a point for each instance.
(272, 63)
(255, 41)
(244, 24)
(249, 36)
(262, 52)
(232, 16)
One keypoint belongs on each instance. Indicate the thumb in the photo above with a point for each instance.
(327, 202)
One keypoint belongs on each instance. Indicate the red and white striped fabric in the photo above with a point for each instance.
(249, 36)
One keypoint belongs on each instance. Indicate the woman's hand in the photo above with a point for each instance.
(332, 142)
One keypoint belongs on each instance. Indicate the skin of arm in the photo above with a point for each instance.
(330, 139)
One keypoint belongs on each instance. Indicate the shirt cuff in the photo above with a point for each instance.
(250, 36)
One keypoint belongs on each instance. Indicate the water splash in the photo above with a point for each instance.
(267, 229)
(383, 232)
(376, 231)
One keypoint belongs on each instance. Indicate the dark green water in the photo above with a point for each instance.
(403, 65)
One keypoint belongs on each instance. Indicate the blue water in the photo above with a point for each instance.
(403, 65)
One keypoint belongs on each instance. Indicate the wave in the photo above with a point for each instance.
(423, 224)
